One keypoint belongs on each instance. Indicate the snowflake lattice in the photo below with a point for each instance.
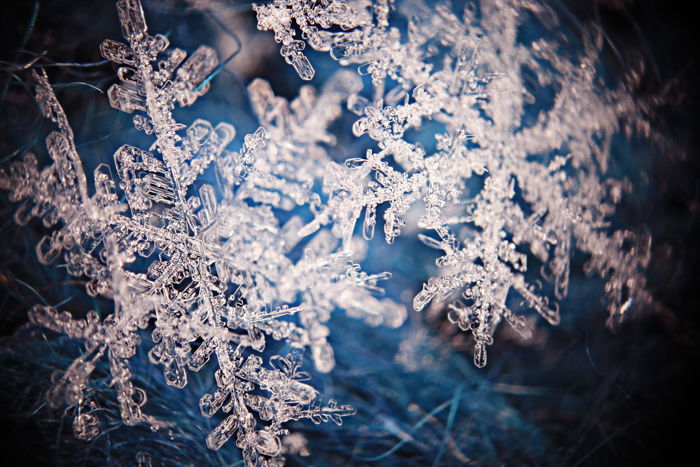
(499, 188)
(205, 268)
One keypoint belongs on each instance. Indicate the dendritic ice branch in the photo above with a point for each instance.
(206, 269)
(503, 140)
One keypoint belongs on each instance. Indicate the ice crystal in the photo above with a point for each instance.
(205, 268)
(499, 140)
(499, 189)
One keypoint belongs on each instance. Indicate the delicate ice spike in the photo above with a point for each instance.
(222, 432)
(302, 66)
(125, 99)
(132, 19)
(117, 52)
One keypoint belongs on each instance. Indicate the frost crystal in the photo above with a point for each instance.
(451, 114)
(206, 269)
(500, 140)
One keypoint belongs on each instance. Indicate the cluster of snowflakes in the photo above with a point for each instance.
(209, 270)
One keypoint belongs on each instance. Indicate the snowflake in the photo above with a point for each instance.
(206, 269)
(498, 188)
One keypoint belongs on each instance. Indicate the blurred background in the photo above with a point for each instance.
(577, 394)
